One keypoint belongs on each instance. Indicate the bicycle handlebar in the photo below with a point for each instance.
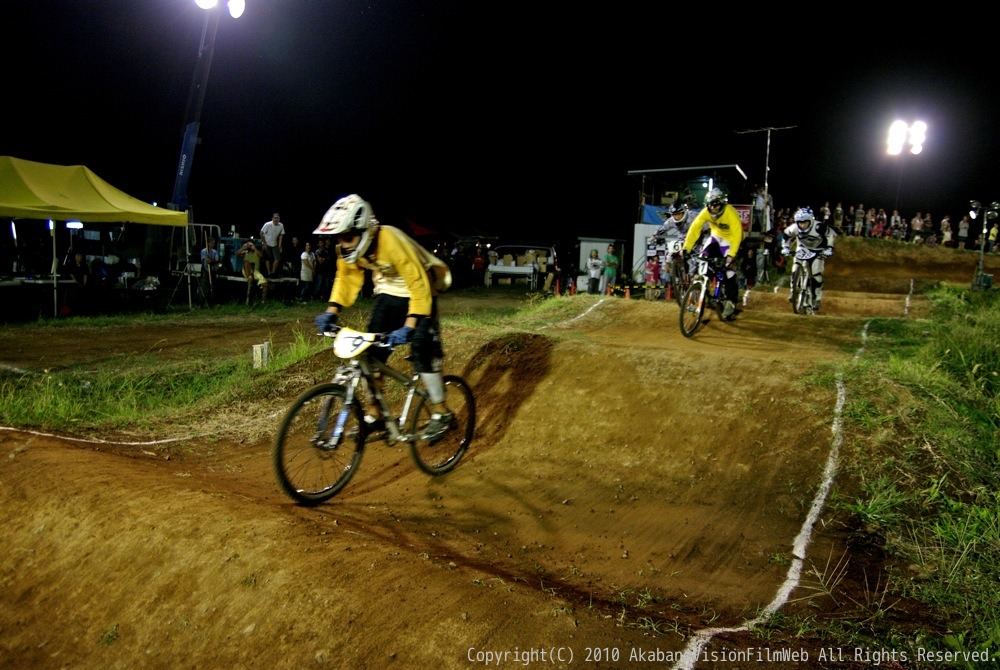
(381, 339)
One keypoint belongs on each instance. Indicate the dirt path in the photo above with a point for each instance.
(627, 488)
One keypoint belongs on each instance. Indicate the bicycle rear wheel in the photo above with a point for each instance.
(442, 455)
(310, 464)
(692, 308)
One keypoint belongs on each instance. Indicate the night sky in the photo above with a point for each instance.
(514, 119)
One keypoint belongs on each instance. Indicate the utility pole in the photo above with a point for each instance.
(767, 169)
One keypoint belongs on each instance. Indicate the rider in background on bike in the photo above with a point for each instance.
(407, 279)
(726, 230)
(816, 237)
(677, 224)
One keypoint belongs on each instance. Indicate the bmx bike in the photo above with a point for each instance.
(323, 434)
(706, 290)
(803, 297)
(680, 276)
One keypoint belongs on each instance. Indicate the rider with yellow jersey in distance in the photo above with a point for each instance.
(726, 230)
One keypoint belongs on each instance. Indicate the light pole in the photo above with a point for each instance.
(196, 97)
(980, 281)
(900, 133)
(767, 170)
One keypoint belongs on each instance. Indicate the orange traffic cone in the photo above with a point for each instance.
(669, 293)
(572, 288)
(628, 295)
(608, 291)
(557, 288)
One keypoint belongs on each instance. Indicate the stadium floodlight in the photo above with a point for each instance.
(901, 134)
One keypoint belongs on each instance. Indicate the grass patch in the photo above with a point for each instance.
(922, 448)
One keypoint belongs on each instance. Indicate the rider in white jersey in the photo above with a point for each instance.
(810, 236)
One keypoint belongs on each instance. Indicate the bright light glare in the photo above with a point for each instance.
(206, 4)
(74, 225)
(900, 134)
(897, 137)
(236, 8)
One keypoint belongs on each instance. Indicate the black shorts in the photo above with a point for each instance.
(390, 312)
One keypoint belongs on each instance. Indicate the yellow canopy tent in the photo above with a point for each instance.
(30, 190)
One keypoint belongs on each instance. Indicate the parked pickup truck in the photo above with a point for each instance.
(520, 261)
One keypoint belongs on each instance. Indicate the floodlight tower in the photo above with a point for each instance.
(196, 97)
(901, 134)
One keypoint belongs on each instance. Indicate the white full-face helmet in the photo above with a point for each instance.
(804, 217)
(350, 214)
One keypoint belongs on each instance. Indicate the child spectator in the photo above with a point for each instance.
(652, 277)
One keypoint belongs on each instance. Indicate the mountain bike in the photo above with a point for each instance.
(706, 289)
(802, 297)
(323, 434)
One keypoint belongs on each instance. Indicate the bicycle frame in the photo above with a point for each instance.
(366, 367)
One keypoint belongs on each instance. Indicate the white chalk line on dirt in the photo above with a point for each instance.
(69, 438)
(578, 316)
(692, 652)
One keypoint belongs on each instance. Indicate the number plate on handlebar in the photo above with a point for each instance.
(703, 266)
(349, 343)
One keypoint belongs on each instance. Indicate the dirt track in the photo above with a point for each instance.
(627, 488)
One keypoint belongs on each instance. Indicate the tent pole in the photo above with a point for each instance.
(55, 273)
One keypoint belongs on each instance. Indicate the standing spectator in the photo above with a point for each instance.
(75, 300)
(946, 240)
(838, 219)
(824, 213)
(917, 229)
(611, 264)
(478, 267)
(748, 266)
(295, 257)
(209, 268)
(859, 220)
(991, 241)
(594, 267)
(323, 271)
(759, 203)
(963, 232)
(896, 225)
(869, 221)
(652, 276)
(307, 267)
(273, 234)
(928, 224)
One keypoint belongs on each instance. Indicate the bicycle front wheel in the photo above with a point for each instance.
(692, 308)
(799, 290)
(442, 455)
(311, 465)
(677, 274)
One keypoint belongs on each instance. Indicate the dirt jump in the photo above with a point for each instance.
(632, 498)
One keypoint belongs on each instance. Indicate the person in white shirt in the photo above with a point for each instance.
(273, 234)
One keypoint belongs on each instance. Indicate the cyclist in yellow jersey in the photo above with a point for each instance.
(726, 235)
(407, 280)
